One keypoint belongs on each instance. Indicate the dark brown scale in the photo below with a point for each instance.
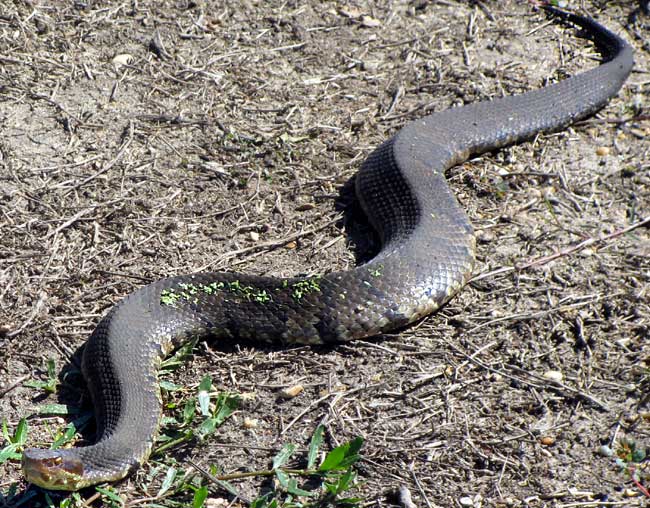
(426, 257)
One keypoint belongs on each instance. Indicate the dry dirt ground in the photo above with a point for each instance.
(141, 139)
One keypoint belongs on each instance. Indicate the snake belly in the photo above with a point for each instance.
(426, 257)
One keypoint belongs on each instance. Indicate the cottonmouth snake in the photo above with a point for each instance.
(426, 257)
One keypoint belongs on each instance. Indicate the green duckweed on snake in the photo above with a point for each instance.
(426, 257)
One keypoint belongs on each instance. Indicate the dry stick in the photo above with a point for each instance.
(546, 383)
(418, 484)
(594, 504)
(564, 252)
(554, 385)
(109, 165)
(92, 499)
(222, 482)
(13, 385)
(275, 243)
(315, 404)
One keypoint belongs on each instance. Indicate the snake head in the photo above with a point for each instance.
(53, 469)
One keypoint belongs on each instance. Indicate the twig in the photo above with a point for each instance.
(13, 385)
(544, 381)
(275, 243)
(564, 252)
(109, 165)
(221, 481)
(554, 385)
(92, 499)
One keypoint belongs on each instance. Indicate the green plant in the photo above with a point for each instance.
(48, 385)
(15, 441)
(632, 460)
(330, 481)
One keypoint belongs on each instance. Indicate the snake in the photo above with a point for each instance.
(427, 255)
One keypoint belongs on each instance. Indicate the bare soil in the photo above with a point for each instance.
(150, 138)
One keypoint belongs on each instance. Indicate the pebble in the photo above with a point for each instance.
(122, 60)
(554, 375)
(291, 391)
(250, 423)
(547, 441)
(605, 451)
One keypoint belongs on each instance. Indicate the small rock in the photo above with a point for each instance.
(554, 375)
(291, 391)
(122, 60)
(605, 451)
(370, 22)
(547, 440)
(250, 423)
(602, 151)
(350, 12)
(466, 501)
(370, 65)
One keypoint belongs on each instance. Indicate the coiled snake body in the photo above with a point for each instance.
(426, 257)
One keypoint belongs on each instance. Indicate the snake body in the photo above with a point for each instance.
(426, 257)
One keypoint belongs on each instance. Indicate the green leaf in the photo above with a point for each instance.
(352, 452)
(204, 395)
(207, 427)
(49, 385)
(638, 455)
(284, 455)
(333, 459)
(70, 430)
(189, 411)
(179, 358)
(20, 435)
(342, 456)
(168, 386)
(226, 405)
(168, 481)
(265, 501)
(314, 446)
(51, 368)
(57, 409)
(9, 452)
(108, 492)
(200, 495)
(5, 431)
(66, 437)
(293, 488)
(282, 477)
(342, 483)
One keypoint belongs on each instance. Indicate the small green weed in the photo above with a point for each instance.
(324, 483)
(333, 477)
(15, 442)
(632, 460)
(48, 386)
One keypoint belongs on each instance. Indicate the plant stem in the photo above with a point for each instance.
(266, 472)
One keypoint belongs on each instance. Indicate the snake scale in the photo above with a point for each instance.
(427, 255)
